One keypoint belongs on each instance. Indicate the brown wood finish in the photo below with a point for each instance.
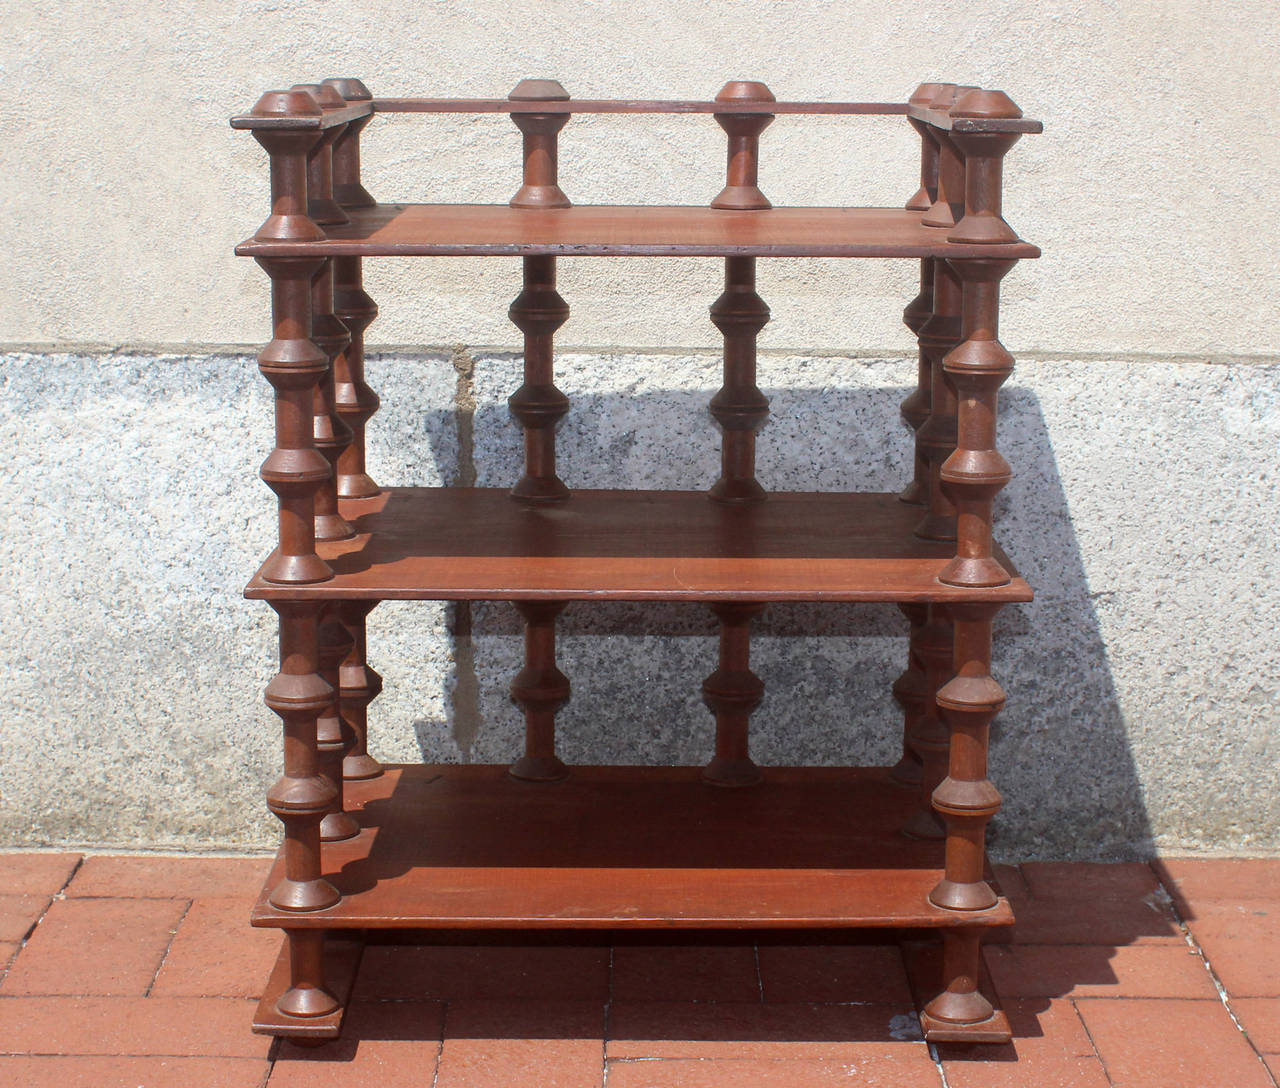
(936, 438)
(333, 735)
(538, 311)
(540, 689)
(739, 407)
(630, 847)
(731, 693)
(358, 685)
(480, 847)
(541, 188)
(600, 105)
(495, 230)
(742, 189)
(932, 643)
(294, 470)
(476, 544)
(908, 692)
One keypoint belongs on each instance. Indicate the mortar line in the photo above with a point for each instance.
(1223, 995)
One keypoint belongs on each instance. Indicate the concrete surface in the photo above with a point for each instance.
(1142, 682)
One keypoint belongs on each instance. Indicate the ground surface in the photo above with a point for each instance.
(142, 971)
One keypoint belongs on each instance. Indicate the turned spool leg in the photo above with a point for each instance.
(541, 689)
(306, 996)
(354, 401)
(333, 735)
(731, 693)
(739, 406)
(538, 405)
(932, 645)
(936, 438)
(966, 799)
(302, 796)
(358, 686)
(909, 690)
(331, 432)
(960, 1004)
(915, 408)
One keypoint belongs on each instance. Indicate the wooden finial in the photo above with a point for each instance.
(984, 153)
(347, 189)
(321, 206)
(924, 197)
(742, 192)
(289, 220)
(540, 188)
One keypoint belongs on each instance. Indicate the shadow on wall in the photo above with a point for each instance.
(1060, 754)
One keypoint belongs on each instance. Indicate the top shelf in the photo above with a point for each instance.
(406, 230)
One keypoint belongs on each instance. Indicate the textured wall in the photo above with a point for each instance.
(1142, 681)
(124, 190)
(1142, 421)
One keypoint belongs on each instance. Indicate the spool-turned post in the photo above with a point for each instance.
(541, 187)
(540, 689)
(742, 188)
(731, 693)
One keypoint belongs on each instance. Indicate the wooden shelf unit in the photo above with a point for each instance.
(541, 845)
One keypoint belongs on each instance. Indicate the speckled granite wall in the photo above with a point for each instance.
(1142, 682)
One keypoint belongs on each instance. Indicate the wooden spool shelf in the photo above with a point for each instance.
(541, 845)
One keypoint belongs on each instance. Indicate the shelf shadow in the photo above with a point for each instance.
(1060, 753)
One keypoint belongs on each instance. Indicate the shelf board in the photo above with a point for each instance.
(479, 544)
(389, 230)
(470, 847)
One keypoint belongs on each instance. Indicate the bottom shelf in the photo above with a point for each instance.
(467, 847)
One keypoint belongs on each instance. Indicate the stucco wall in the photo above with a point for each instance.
(1142, 421)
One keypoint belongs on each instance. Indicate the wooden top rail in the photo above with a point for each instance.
(607, 105)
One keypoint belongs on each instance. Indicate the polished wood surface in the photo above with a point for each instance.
(461, 230)
(549, 846)
(476, 544)
(451, 846)
(610, 105)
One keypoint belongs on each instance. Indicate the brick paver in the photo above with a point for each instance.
(1171, 1044)
(216, 953)
(36, 874)
(96, 946)
(140, 970)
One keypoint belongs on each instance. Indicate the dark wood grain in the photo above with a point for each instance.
(619, 847)
(477, 230)
(476, 544)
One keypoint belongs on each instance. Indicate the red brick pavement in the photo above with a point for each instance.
(128, 971)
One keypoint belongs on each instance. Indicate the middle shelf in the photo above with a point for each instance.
(478, 544)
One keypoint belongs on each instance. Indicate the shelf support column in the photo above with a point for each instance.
(948, 207)
(967, 800)
(294, 470)
(540, 689)
(742, 183)
(301, 797)
(976, 471)
(739, 406)
(915, 408)
(333, 735)
(731, 693)
(358, 685)
(332, 435)
(984, 154)
(538, 311)
(354, 400)
(930, 738)
(908, 691)
(936, 438)
(541, 188)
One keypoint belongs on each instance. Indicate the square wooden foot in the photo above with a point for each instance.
(924, 973)
(341, 961)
